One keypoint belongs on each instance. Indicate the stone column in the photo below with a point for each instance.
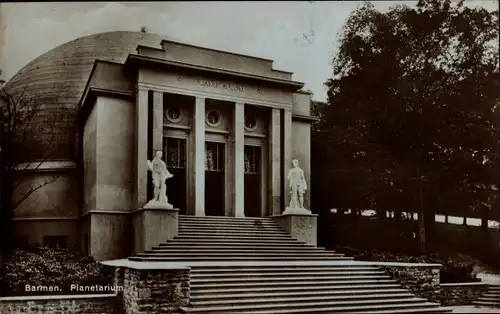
(199, 156)
(287, 138)
(275, 163)
(239, 159)
(141, 148)
(157, 122)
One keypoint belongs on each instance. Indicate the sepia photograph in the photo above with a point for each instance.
(257, 157)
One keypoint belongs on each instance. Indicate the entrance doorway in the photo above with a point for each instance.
(175, 157)
(214, 179)
(253, 181)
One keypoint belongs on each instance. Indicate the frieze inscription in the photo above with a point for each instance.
(221, 85)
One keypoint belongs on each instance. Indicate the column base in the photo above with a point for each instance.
(300, 224)
(153, 226)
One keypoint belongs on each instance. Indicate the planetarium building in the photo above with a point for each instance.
(223, 121)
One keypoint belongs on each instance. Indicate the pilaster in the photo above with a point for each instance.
(275, 163)
(199, 157)
(287, 151)
(141, 148)
(239, 159)
(157, 121)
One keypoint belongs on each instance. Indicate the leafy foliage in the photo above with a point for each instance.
(410, 122)
(51, 267)
(452, 270)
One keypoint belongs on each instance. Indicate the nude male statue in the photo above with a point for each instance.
(297, 184)
(160, 173)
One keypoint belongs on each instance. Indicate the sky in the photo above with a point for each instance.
(300, 37)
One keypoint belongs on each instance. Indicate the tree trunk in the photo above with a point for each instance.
(484, 219)
(445, 219)
(397, 214)
(421, 209)
(465, 221)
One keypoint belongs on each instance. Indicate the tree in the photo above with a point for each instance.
(26, 142)
(415, 86)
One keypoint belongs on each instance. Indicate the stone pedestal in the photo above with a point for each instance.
(301, 224)
(152, 226)
(152, 287)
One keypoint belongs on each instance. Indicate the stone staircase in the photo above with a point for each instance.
(490, 298)
(251, 265)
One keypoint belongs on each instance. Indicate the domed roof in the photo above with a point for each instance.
(57, 78)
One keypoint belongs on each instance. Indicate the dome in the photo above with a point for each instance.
(57, 78)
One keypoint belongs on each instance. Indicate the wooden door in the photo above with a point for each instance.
(214, 179)
(175, 158)
(253, 191)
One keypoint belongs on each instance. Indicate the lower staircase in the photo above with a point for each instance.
(251, 265)
(490, 298)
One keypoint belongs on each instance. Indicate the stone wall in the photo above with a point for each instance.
(140, 288)
(421, 279)
(155, 291)
(461, 293)
(79, 304)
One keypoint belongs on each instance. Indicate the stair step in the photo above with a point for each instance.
(262, 269)
(231, 230)
(248, 253)
(372, 288)
(235, 233)
(234, 258)
(290, 273)
(435, 309)
(486, 303)
(490, 296)
(412, 308)
(295, 299)
(197, 226)
(253, 241)
(485, 298)
(349, 293)
(230, 225)
(230, 251)
(227, 221)
(215, 244)
(223, 218)
(235, 247)
(284, 279)
(244, 285)
(496, 290)
(333, 305)
(233, 236)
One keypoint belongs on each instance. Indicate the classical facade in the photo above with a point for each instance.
(224, 122)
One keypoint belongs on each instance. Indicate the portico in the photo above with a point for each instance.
(226, 135)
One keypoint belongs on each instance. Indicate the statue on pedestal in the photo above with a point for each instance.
(160, 174)
(298, 186)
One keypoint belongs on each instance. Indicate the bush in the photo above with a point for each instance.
(452, 270)
(51, 268)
